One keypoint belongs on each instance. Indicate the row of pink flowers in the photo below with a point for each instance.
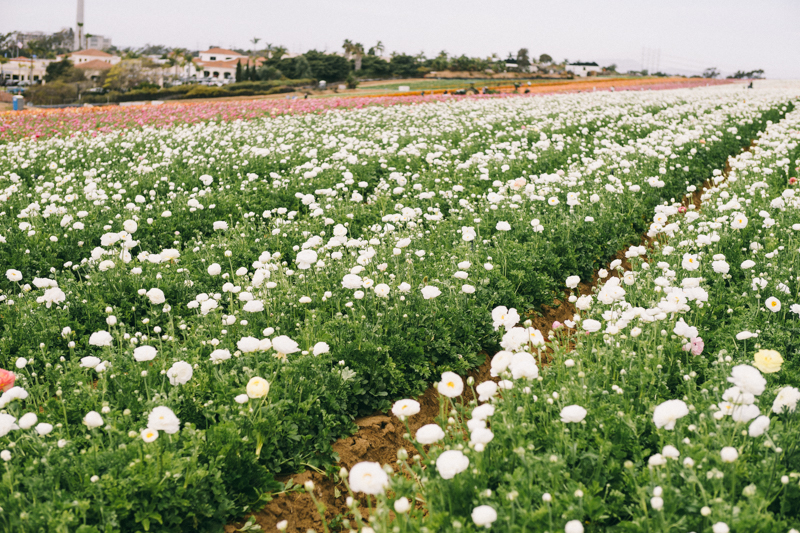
(93, 120)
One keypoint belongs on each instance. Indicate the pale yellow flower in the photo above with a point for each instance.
(257, 387)
(768, 361)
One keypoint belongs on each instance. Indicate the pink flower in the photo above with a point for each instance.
(6, 380)
(557, 325)
(682, 209)
(792, 181)
(696, 346)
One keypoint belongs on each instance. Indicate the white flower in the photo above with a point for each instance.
(220, 225)
(523, 365)
(657, 503)
(758, 426)
(220, 355)
(573, 414)
(739, 221)
(748, 379)
(368, 478)
(573, 526)
(451, 385)
(248, 344)
(214, 269)
(450, 463)
(305, 259)
(773, 304)
(101, 338)
(486, 390)
(503, 316)
(728, 454)
(402, 505)
(720, 527)
(572, 281)
(284, 345)
(748, 264)
(52, 296)
(93, 419)
(180, 373)
(352, 281)
(429, 433)
(690, 262)
(257, 387)
(503, 226)
(254, 306)
(321, 348)
(468, 289)
(591, 325)
(484, 516)
(481, 435)
(404, 287)
(405, 408)
(163, 419)
(721, 267)
(149, 435)
(13, 275)
(5, 455)
(667, 413)
(787, 398)
(483, 412)
(429, 292)
(242, 398)
(28, 420)
(744, 335)
(90, 361)
(43, 428)
(130, 226)
(144, 353)
(382, 290)
(467, 233)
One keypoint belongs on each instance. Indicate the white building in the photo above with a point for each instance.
(98, 42)
(220, 63)
(583, 69)
(24, 69)
(91, 54)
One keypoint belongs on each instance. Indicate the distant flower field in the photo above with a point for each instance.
(193, 305)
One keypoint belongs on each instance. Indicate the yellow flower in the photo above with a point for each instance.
(768, 361)
(257, 387)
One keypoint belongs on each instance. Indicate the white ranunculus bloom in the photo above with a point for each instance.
(163, 419)
(214, 269)
(484, 516)
(429, 433)
(93, 419)
(451, 463)
(144, 353)
(254, 306)
(220, 355)
(248, 344)
(284, 345)
(180, 373)
(430, 292)
(369, 478)
(451, 385)
(748, 379)
(573, 414)
(101, 338)
(405, 408)
(668, 412)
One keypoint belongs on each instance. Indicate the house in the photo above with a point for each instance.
(24, 69)
(221, 64)
(583, 69)
(98, 42)
(91, 54)
(94, 69)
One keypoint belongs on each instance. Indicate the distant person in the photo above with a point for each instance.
(527, 91)
(751, 85)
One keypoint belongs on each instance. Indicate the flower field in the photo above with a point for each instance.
(192, 311)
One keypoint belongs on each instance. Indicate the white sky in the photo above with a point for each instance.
(690, 34)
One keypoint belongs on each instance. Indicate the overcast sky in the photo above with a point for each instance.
(690, 34)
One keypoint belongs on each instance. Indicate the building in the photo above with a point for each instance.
(24, 69)
(98, 42)
(91, 54)
(94, 69)
(219, 63)
(583, 69)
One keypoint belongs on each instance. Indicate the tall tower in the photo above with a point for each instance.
(79, 28)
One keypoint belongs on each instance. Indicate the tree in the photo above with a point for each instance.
(328, 67)
(353, 51)
(278, 52)
(267, 73)
(440, 62)
(545, 58)
(302, 70)
(523, 60)
(404, 65)
(254, 40)
(57, 70)
(246, 75)
(126, 74)
(611, 68)
(239, 73)
(711, 73)
(377, 49)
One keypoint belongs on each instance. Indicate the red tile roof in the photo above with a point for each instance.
(94, 64)
(91, 52)
(222, 51)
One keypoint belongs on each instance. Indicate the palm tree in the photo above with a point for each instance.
(358, 51)
(254, 40)
(348, 48)
(268, 50)
(379, 48)
(278, 52)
